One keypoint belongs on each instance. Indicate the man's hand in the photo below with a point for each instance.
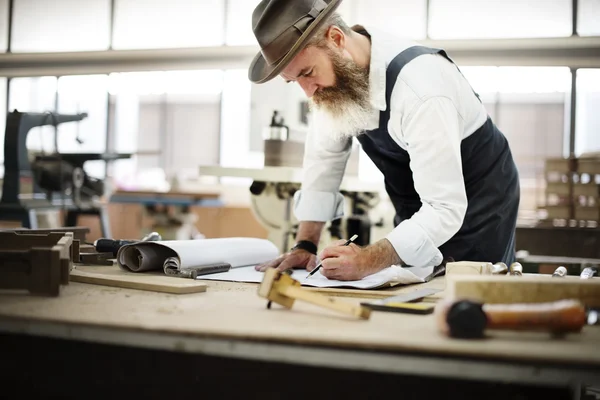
(350, 263)
(307, 230)
(294, 259)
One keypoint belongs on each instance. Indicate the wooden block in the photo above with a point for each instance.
(587, 213)
(558, 188)
(561, 212)
(560, 164)
(586, 189)
(523, 289)
(469, 268)
(151, 281)
(588, 166)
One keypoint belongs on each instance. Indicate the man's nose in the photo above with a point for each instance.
(309, 87)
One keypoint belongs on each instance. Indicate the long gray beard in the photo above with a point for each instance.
(349, 120)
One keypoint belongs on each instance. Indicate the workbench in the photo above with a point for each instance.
(168, 210)
(97, 341)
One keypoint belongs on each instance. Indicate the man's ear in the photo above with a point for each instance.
(336, 37)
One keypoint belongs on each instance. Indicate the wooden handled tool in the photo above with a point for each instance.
(499, 269)
(282, 289)
(516, 269)
(469, 319)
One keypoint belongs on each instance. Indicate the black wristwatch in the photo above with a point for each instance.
(306, 245)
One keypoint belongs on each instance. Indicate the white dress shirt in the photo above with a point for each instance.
(433, 108)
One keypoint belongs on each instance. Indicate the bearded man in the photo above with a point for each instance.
(448, 170)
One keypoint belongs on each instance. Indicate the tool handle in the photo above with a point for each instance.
(559, 316)
(325, 301)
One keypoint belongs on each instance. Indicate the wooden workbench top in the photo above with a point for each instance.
(234, 311)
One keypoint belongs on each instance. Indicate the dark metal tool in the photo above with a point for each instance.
(105, 245)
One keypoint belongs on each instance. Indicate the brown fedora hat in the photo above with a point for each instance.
(282, 29)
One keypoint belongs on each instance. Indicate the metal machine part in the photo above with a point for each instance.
(48, 181)
(272, 202)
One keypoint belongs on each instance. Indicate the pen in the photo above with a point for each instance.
(352, 239)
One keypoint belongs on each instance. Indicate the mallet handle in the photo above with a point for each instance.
(559, 316)
(325, 301)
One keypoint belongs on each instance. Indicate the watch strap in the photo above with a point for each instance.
(306, 245)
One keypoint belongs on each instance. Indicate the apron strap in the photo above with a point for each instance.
(394, 68)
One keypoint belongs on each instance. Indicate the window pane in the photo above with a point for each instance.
(402, 17)
(3, 25)
(530, 105)
(63, 25)
(79, 94)
(2, 122)
(239, 22)
(35, 95)
(235, 130)
(499, 19)
(171, 119)
(588, 18)
(587, 123)
(347, 10)
(142, 24)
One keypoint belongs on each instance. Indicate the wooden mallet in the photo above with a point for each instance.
(469, 319)
(282, 289)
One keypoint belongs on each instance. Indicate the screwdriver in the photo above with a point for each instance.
(105, 245)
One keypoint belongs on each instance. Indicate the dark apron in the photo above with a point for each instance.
(490, 176)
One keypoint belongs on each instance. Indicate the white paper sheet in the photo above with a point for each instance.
(172, 255)
(392, 275)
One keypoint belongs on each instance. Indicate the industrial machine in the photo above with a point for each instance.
(53, 181)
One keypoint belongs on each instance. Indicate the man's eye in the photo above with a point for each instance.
(309, 73)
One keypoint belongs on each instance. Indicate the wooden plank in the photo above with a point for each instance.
(523, 289)
(151, 281)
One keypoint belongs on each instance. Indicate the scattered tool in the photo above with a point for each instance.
(516, 269)
(104, 245)
(403, 303)
(195, 272)
(499, 269)
(469, 319)
(281, 288)
(318, 267)
(559, 272)
(588, 272)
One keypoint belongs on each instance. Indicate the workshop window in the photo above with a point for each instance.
(588, 18)
(79, 94)
(476, 19)
(34, 95)
(3, 25)
(406, 18)
(3, 108)
(235, 120)
(153, 24)
(239, 29)
(587, 123)
(171, 120)
(60, 25)
(530, 105)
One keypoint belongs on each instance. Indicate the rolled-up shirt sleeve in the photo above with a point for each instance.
(324, 164)
(432, 133)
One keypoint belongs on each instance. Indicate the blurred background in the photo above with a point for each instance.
(165, 89)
